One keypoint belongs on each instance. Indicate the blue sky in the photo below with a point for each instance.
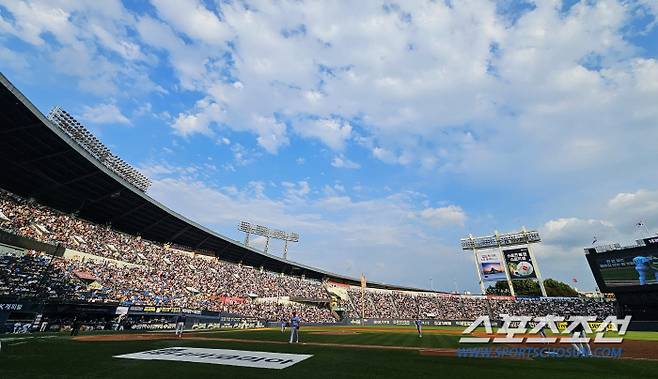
(382, 132)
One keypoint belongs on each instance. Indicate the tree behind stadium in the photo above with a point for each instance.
(528, 287)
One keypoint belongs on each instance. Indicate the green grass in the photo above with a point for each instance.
(394, 338)
(620, 273)
(61, 357)
(640, 336)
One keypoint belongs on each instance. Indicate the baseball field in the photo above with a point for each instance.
(336, 352)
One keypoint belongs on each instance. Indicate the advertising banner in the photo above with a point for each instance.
(519, 264)
(405, 322)
(491, 268)
(258, 359)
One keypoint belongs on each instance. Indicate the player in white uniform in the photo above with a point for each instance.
(645, 269)
(180, 325)
(294, 327)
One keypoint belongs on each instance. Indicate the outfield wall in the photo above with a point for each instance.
(403, 322)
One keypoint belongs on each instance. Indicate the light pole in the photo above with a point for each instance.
(268, 233)
(498, 241)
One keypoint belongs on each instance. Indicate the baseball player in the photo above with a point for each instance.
(419, 327)
(283, 324)
(180, 325)
(644, 269)
(294, 327)
(582, 347)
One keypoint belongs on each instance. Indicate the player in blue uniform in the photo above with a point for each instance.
(294, 327)
(419, 327)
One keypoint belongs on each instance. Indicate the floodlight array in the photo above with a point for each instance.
(264, 231)
(91, 144)
(496, 240)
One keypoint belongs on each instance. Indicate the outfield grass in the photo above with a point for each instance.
(393, 338)
(639, 336)
(59, 357)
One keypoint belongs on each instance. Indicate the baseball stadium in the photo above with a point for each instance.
(156, 157)
(95, 272)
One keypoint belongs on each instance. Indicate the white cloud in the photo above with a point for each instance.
(296, 191)
(384, 237)
(104, 114)
(444, 216)
(12, 59)
(33, 19)
(431, 84)
(576, 232)
(342, 162)
(271, 133)
(196, 21)
(641, 199)
(80, 40)
(451, 86)
(332, 132)
(630, 208)
(384, 155)
(188, 124)
(187, 61)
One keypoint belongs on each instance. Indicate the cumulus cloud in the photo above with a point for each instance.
(444, 216)
(332, 132)
(196, 21)
(451, 86)
(104, 114)
(342, 162)
(573, 231)
(93, 35)
(13, 60)
(631, 208)
(271, 133)
(439, 85)
(335, 228)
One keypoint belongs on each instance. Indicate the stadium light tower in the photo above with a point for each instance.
(499, 241)
(268, 233)
(85, 139)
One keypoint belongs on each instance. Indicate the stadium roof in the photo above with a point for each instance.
(40, 161)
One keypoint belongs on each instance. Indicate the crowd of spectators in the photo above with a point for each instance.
(28, 275)
(407, 305)
(162, 275)
(158, 274)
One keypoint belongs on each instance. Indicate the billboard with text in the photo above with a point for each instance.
(519, 263)
(491, 268)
